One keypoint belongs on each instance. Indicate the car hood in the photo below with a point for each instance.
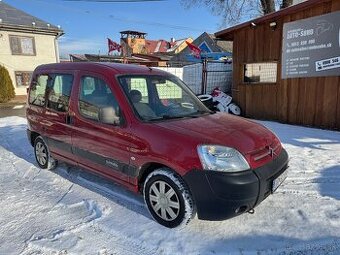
(223, 129)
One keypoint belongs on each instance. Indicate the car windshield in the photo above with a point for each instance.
(155, 97)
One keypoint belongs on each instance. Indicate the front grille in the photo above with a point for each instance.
(269, 151)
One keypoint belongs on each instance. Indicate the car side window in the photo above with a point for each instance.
(59, 92)
(96, 101)
(38, 90)
(136, 84)
(140, 85)
(169, 92)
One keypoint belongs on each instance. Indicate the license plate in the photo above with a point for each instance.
(279, 180)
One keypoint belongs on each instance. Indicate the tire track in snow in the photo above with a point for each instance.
(85, 212)
(67, 238)
(32, 244)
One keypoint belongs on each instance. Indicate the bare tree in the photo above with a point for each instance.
(286, 3)
(268, 6)
(234, 11)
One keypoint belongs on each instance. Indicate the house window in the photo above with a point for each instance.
(260, 72)
(23, 78)
(22, 45)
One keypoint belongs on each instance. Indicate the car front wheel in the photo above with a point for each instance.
(168, 198)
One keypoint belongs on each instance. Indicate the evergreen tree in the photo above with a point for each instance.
(6, 86)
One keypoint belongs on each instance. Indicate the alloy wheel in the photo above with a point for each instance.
(164, 200)
(41, 153)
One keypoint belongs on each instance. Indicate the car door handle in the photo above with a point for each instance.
(69, 118)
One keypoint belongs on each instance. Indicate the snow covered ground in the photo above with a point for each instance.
(69, 211)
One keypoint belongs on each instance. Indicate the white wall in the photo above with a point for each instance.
(177, 71)
(45, 53)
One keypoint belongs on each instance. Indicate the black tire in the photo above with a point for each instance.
(175, 204)
(207, 100)
(42, 154)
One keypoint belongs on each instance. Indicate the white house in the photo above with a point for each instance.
(25, 43)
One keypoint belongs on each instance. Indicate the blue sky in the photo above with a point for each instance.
(87, 25)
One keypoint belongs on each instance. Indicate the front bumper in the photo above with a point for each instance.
(219, 196)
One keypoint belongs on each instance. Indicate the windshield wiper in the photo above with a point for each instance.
(168, 117)
(196, 114)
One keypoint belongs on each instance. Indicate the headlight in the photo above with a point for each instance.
(220, 158)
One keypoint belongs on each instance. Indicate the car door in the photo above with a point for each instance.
(35, 111)
(56, 122)
(100, 138)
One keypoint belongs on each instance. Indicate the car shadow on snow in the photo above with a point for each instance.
(329, 182)
(304, 137)
(13, 138)
(106, 188)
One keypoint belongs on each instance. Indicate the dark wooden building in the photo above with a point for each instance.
(258, 85)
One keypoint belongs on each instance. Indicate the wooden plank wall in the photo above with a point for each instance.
(304, 101)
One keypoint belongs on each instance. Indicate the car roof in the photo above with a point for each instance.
(114, 68)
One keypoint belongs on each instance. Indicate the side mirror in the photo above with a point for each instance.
(33, 84)
(108, 115)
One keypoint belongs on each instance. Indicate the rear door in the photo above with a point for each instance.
(101, 141)
(35, 111)
(57, 122)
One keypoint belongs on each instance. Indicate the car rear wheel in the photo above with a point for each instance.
(168, 198)
(42, 154)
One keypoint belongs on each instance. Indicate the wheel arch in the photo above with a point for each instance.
(33, 136)
(146, 169)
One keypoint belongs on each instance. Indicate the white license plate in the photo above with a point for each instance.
(279, 180)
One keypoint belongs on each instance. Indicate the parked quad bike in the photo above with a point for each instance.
(220, 101)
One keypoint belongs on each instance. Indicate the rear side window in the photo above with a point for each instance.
(38, 90)
(96, 97)
(59, 92)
